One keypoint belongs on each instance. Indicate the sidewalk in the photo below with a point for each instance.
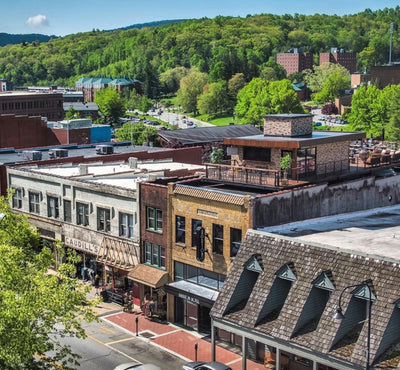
(173, 339)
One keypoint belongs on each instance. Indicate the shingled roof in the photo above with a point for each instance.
(306, 264)
(210, 134)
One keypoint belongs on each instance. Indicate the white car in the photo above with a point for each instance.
(201, 365)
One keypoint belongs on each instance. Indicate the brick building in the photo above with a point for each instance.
(49, 105)
(380, 76)
(295, 61)
(342, 57)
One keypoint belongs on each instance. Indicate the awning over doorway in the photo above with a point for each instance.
(118, 253)
(192, 292)
(148, 275)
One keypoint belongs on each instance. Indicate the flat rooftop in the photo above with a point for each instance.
(118, 173)
(17, 156)
(316, 138)
(374, 232)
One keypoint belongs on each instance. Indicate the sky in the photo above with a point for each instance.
(60, 17)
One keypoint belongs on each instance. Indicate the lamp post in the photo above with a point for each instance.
(339, 314)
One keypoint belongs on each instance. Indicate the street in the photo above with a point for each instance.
(107, 346)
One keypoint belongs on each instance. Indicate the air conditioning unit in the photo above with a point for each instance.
(58, 153)
(104, 149)
(32, 155)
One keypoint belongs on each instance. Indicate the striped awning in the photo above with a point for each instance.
(118, 253)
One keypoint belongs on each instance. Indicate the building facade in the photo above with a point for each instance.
(49, 105)
(295, 61)
(205, 233)
(340, 56)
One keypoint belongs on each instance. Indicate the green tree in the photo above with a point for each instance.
(235, 84)
(391, 96)
(261, 97)
(33, 301)
(171, 78)
(214, 99)
(335, 82)
(137, 133)
(367, 111)
(72, 113)
(191, 86)
(110, 103)
(336, 75)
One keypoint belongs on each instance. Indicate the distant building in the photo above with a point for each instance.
(88, 109)
(340, 56)
(380, 76)
(47, 105)
(89, 85)
(295, 61)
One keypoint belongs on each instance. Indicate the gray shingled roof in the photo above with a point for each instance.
(309, 261)
(201, 135)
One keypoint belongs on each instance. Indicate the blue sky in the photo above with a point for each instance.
(60, 17)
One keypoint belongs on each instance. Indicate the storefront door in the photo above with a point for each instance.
(191, 315)
(204, 319)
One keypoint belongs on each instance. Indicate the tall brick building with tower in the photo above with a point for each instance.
(295, 61)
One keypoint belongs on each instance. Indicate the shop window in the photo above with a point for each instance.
(67, 211)
(306, 160)
(34, 201)
(103, 219)
(180, 231)
(154, 254)
(82, 214)
(218, 239)
(236, 241)
(52, 207)
(154, 219)
(17, 198)
(196, 225)
(126, 225)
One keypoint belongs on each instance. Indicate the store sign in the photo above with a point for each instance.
(81, 245)
(188, 298)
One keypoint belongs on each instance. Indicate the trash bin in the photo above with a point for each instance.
(104, 295)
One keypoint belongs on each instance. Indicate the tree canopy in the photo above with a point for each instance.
(262, 97)
(220, 47)
(33, 301)
(191, 87)
(110, 103)
(138, 133)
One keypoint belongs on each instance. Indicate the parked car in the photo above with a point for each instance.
(136, 366)
(201, 365)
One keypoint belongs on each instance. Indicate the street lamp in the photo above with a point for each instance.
(340, 316)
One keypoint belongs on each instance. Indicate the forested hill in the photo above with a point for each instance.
(221, 46)
(8, 38)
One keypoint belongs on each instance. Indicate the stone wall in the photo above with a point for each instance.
(326, 200)
(286, 125)
(332, 157)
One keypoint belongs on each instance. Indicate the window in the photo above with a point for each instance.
(34, 200)
(82, 214)
(257, 154)
(154, 254)
(126, 225)
(52, 207)
(103, 219)
(154, 219)
(218, 239)
(180, 229)
(236, 241)
(67, 211)
(17, 198)
(195, 225)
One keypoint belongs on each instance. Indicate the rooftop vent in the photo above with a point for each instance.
(32, 155)
(58, 153)
(133, 162)
(83, 169)
(104, 149)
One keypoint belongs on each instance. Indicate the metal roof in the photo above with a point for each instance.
(209, 134)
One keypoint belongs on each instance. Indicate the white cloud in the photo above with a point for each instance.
(37, 21)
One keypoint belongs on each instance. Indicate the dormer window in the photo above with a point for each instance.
(278, 294)
(321, 290)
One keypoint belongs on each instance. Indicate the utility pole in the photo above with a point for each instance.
(390, 49)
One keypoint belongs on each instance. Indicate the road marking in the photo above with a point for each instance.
(119, 340)
(95, 339)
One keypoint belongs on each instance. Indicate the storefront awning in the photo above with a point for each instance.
(118, 253)
(148, 275)
(192, 292)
